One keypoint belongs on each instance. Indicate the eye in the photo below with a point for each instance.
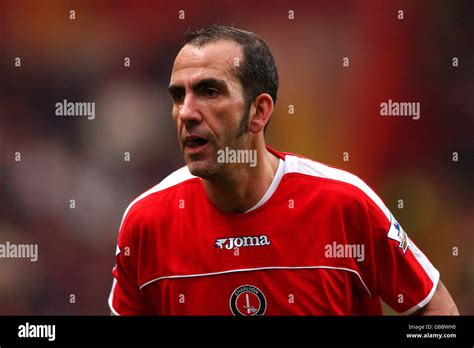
(211, 92)
(177, 96)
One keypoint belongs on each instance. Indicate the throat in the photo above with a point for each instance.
(242, 191)
(233, 197)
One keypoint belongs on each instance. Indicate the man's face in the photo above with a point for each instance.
(208, 104)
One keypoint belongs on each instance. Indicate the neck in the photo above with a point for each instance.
(243, 186)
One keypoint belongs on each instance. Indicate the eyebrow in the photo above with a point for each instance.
(201, 84)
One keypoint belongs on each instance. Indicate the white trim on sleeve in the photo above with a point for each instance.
(425, 301)
(111, 298)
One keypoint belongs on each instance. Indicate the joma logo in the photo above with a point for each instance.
(231, 243)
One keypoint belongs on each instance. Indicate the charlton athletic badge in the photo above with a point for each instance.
(247, 300)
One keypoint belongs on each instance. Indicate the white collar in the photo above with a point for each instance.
(273, 186)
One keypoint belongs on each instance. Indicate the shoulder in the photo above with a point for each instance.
(335, 183)
(155, 197)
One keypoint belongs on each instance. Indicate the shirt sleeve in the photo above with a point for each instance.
(405, 278)
(126, 298)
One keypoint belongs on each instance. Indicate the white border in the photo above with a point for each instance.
(111, 298)
(255, 269)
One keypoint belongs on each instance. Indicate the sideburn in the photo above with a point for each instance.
(244, 121)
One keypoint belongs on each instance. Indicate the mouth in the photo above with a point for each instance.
(194, 144)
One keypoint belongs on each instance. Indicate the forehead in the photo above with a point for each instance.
(213, 60)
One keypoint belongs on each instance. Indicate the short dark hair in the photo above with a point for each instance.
(257, 73)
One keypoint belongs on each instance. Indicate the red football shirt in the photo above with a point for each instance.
(320, 242)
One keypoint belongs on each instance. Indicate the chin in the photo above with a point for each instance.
(203, 169)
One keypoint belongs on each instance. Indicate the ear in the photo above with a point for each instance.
(260, 112)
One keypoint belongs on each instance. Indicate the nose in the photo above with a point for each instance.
(188, 112)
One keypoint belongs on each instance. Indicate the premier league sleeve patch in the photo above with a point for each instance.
(397, 233)
(247, 300)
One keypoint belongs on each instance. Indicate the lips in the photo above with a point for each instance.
(194, 141)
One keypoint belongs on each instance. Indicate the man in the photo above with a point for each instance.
(247, 230)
